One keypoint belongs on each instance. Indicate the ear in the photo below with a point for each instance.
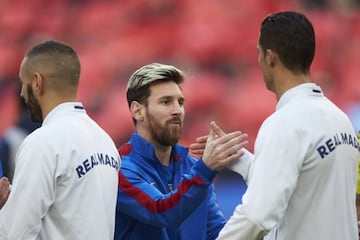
(137, 110)
(38, 84)
(270, 57)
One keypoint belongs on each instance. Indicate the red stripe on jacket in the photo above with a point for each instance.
(151, 204)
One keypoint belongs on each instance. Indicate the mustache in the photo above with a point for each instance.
(176, 120)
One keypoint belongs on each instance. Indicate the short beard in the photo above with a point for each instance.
(33, 106)
(162, 134)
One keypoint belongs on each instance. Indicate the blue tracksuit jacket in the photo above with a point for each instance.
(156, 202)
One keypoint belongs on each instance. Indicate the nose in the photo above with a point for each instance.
(178, 108)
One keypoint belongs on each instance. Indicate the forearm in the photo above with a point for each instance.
(144, 202)
(243, 164)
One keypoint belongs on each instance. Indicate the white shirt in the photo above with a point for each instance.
(65, 181)
(301, 182)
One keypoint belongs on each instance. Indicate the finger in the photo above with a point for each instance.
(233, 146)
(4, 190)
(4, 182)
(231, 158)
(197, 148)
(197, 152)
(201, 139)
(227, 137)
(218, 131)
(212, 135)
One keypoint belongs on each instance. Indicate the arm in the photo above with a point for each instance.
(272, 179)
(243, 164)
(240, 165)
(141, 200)
(31, 195)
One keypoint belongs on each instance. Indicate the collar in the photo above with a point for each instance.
(64, 109)
(301, 90)
(146, 150)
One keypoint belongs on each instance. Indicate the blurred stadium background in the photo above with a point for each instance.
(213, 41)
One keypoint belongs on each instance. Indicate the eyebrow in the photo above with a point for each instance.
(171, 97)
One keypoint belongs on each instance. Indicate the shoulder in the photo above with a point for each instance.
(129, 160)
(125, 149)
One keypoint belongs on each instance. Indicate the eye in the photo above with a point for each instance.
(181, 102)
(165, 102)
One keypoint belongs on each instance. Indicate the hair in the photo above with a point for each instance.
(291, 35)
(57, 60)
(138, 88)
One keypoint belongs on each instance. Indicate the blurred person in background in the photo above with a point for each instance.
(1, 170)
(65, 180)
(302, 176)
(164, 192)
(13, 137)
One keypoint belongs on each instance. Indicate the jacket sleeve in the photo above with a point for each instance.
(242, 165)
(144, 202)
(216, 219)
(32, 193)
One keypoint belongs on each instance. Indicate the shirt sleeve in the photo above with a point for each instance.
(242, 165)
(272, 179)
(143, 201)
(32, 192)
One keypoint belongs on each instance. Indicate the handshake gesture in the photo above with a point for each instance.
(218, 149)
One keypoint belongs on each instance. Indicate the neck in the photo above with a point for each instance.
(51, 101)
(163, 153)
(48, 107)
(288, 80)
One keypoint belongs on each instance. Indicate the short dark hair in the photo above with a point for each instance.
(291, 35)
(63, 57)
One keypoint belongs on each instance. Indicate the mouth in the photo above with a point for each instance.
(175, 122)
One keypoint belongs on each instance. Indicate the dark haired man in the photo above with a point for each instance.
(65, 181)
(301, 182)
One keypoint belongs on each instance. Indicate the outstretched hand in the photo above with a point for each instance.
(4, 191)
(198, 147)
(220, 148)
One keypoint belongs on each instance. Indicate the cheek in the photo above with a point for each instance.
(183, 112)
(24, 92)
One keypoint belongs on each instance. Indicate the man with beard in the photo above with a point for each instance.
(65, 179)
(164, 192)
